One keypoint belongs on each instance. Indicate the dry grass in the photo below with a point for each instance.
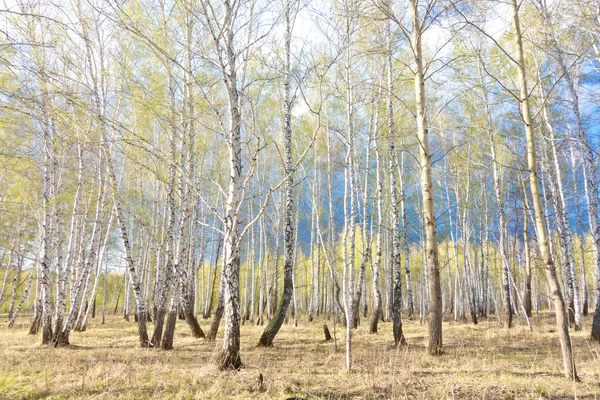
(483, 361)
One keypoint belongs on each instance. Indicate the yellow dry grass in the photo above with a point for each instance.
(483, 361)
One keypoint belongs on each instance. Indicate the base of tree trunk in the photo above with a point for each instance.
(61, 336)
(399, 339)
(266, 339)
(327, 333)
(226, 361)
(36, 324)
(214, 327)
(374, 321)
(167, 339)
(58, 327)
(192, 322)
(158, 327)
(143, 332)
(474, 318)
(571, 309)
(46, 334)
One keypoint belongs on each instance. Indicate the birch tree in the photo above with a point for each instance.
(543, 240)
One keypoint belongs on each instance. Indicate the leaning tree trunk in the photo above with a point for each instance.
(562, 221)
(101, 256)
(61, 338)
(590, 177)
(6, 272)
(13, 317)
(16, 284)
(140, 304)
(546, 255)
(214, 327)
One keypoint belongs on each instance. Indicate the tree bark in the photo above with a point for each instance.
(395, 228)
(274, 325)
(559, 305)
(376, 267)
(434, 314)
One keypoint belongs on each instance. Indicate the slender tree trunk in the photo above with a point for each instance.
(404, 239)
(229, 357)
(501, 214)
(295, 262)
(49, 191)
(312, 248)
(434, 314)
(6, 272)
(98, 270)
(564, 226)
(559, 305)
(16, 284)
(214, 327)
(211, 294)
(336, 302)
(526, 255)
(376, 267)
(366, 235)
(3, 288)
(133, 274)
(590, 176)
(395, 228)
(274, 325)
(248, 303)
(24, 296)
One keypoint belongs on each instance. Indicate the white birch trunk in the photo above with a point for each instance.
(434, 316)
(559, 305)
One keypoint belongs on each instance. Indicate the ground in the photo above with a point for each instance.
(480, 361)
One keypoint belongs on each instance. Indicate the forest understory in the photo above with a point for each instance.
(484, 361)
(254, 158)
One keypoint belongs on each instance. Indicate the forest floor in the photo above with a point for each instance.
(480, 361)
